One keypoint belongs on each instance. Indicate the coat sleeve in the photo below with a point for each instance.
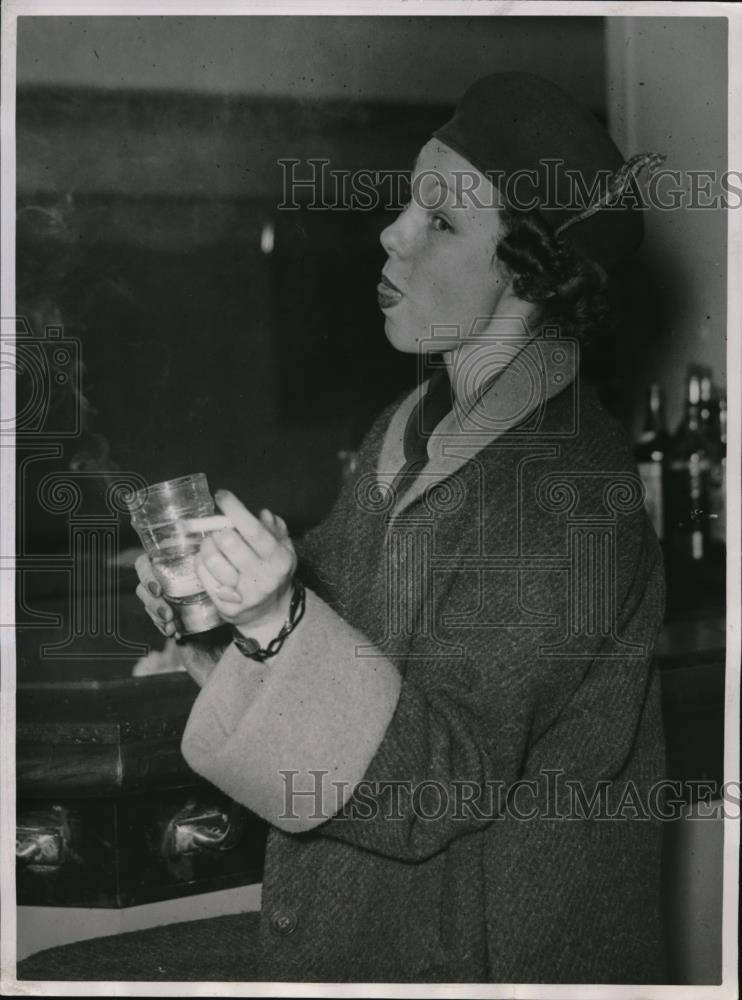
(256, 730)
(311, 720)
(328, 740)
(463, 740)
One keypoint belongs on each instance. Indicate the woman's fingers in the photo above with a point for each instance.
(164, 629)
(229, 594)
(146, 574)
(209, 582)
(223, 595)
(157, 605)
(260, 538)
(167, 628)
(158, 625)
(275, 524)
(243, 568)
(158, 610)
(225, 556)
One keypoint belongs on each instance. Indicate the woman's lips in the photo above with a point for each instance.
(387, 294)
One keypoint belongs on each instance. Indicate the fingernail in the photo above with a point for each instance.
(228, 594)
(220, 495)
(154, 588)
(163, 613)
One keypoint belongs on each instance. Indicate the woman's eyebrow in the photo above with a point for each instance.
(438, 179)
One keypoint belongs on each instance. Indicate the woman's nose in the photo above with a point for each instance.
(396, 238)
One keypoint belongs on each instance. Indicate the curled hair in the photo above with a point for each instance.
(571, 293)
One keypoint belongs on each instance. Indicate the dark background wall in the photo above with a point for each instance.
(401, 59)
(159, 140)
(667, 90)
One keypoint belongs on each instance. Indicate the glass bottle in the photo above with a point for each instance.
(708, 406)
(651, 455)
(718, 482)
(688, 482)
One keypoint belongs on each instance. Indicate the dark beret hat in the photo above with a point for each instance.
(510, 123)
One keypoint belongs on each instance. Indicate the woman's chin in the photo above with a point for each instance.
(401, 339)
(413, 338)
(415, 341)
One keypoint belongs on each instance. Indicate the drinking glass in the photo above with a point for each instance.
(160, 516)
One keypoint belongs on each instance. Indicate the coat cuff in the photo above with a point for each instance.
(258, 731)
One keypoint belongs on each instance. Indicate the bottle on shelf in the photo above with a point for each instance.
(718, 482)
(708, 406)
(688, 482)
(651, 455)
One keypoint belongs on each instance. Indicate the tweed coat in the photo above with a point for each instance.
(471, 704)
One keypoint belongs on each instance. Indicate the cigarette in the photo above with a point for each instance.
(215, 523)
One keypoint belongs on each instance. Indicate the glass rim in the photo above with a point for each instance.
(166, 486)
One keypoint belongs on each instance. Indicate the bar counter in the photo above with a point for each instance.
(110, 815)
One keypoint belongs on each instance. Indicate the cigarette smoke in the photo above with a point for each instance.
(46, 254)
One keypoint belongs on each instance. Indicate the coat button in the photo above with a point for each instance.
(284, 921)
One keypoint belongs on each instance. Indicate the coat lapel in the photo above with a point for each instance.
(464, 431)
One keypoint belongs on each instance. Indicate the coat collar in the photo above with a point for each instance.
(518, 395)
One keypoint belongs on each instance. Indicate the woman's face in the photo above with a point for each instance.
(442, 270)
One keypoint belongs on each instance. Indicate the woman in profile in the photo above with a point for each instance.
(442, 698)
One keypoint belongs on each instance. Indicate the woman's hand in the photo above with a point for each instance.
(198, 661)
(149, 593)
(254, 592)
(247, 570)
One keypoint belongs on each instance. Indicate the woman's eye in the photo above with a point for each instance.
(441, 224)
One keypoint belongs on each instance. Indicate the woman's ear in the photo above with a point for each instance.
(510, 306)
